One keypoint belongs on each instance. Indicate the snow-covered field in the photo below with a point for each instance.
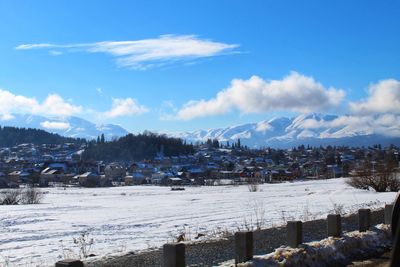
(122, 219)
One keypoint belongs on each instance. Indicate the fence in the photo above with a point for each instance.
(174, 253)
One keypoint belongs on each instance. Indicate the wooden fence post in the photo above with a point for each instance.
(388, 213)
(334, 225)
(364, 219)
(69, 263)
(294, 233)
(174, 255)
(243, 246)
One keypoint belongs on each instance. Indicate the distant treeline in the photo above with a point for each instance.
(11, 136)
(136, 147)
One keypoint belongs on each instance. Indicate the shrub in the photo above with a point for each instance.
(253, 185)
(381, 177)
(84, 243)
(10, 197)
(29, 195)
(338, 208)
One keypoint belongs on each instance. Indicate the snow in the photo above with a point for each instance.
(314, 128)
(330, 251)
(77, 127)
(122, 219)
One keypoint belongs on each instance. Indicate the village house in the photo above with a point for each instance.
(115, 172)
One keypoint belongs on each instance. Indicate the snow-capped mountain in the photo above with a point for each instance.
(65, 126)
(308, 129)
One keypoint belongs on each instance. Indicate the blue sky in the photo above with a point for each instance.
(169, 65)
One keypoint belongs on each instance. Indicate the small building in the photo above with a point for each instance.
(195, 172)
(333, 171)
(114, 172)
(3, 181)
(136, 178)
(88, 179)
(175, 181)
(49, 175)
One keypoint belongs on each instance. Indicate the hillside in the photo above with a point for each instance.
(137, 147)
(11, 136)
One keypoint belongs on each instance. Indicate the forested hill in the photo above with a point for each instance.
(11, 136)
(136, 147)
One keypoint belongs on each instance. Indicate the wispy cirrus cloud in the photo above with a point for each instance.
(146, 53)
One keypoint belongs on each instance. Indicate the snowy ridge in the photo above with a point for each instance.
(66, 126)
(309, 129)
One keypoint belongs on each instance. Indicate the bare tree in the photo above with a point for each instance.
(30, 195)
(10, 197)
(253, 184)
(84, 243)
(381, 176)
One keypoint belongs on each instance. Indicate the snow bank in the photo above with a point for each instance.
(327, 252)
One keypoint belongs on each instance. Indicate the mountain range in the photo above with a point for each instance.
(66, 126)
(309, 129)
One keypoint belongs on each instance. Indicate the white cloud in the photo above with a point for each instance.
(294, 92)
(99, 90)
(125, 107)
(55, 53)
(385, 124)
(56, 105)
(6, 117)
(384, 96)
(34, 46)
(53, 105)
(55, 125)
(10, 102)
(147, 53)
(167, 111)
(340, 121)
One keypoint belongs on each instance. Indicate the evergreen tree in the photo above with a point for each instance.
(215, 143)
(11, 136)
(338, 160)
(209, 142)
(137, 147)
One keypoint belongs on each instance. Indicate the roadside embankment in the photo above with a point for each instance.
(211, 253)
